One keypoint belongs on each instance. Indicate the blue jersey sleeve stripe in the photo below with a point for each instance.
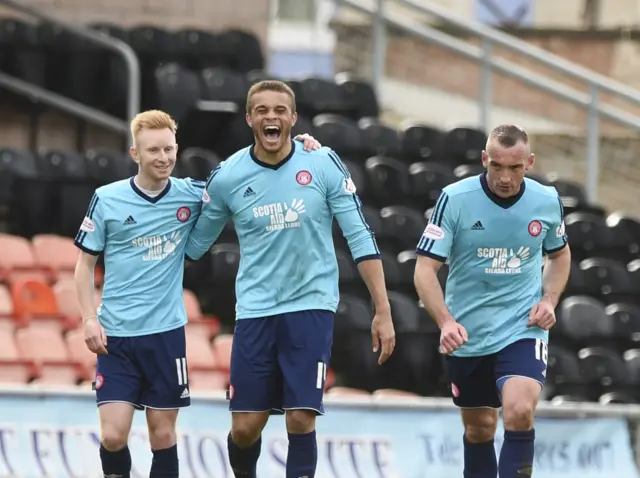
(426, 244)
(198, 184)
(438, 221)
(561, 208)
(211, 176)
(345, 172)
(92, 209)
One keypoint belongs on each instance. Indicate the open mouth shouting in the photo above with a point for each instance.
(271, 133)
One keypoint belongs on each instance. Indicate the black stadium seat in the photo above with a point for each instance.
(464, 145)
(340, 134)
(14, 163)
(177, 90)
(403, 224)
(220, 84)
(379, 139)
(587, 233)
(468, 170)
(388, 179)
(240, 50)
(606, 277)
(200, 162)
(563, 370)
(625, 318)
(317, 96)
(603, 369)
(581, 318)
(359, 95)
(196, 49)
(421, 143)
(427, 181)
(106, 166)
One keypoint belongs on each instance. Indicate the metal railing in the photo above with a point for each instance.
(382, 16)
(71, 106)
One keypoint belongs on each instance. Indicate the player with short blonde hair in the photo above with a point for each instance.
(140, 224)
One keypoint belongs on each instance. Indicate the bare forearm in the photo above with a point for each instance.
(85, 290)
(555, 275)
(430, 293)
(373, 276)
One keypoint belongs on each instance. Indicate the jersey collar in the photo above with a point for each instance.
(152, 200)
(272, 166)
(504, 203)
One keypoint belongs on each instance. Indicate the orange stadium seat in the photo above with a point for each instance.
(205, 373)
(17, 261)
(207, 325)
(55, 252)
(67, 301)
(13, 368)
(49, 351)
(35, 300)
(78, 352)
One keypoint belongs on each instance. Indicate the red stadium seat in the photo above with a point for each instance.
(207, 325)
(393, 393)
(347, 392)
(17, 261)
(49, 352)
(6, 308)
(35, 300)
(205, 373)
(78, 352)
(13, 368)
(56, 253)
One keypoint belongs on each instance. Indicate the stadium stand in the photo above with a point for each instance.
(399, 172)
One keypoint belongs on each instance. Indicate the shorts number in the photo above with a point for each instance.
(542, 351)
(181, 368)
(321, 375)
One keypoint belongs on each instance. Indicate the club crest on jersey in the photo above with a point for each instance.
(183, 214)
(304, 177)
(535, 228)
(433, 232)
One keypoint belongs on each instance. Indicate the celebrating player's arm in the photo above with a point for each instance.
(347, 209)
(433, 250)
(555, 274)
(90, 240)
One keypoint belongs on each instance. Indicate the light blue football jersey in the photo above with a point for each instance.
(143, 240)
(283, 217)
(494, 248)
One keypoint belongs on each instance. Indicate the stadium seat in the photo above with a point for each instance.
(567, 189)
(407, 266)
(207, 326)
(421, 143)
(625, 237)
(6, 308)
(379, 139)
(359, 95)
(17, 261)
(403, 224)
(603, 369)
(464, 145)
(428, 179)
(220, 84)
(196, 49)
(468, 170)
(106, 166)
(315, 96)
(567, 399)
(617, 398)
(240, 50)
(177, 90)
(14, 163)
(347, 392)
(14, 368)
(347, 270)
(48, 350)
(587, 233)
(67, 302)
(80, 353)
(303, 125)
(35, 301)
(391, 268)
(55, 253)
(225, 260)
(340, 134)
(563, 370)
(199, 162)
(394, 394)
(389, 181)
(204, 371)
(234, 134)
(576, 284)
(22, 55)
(222, 345)
(581, 318)
(606, 278)
(358, 176)
(625, 318)
(57, 164)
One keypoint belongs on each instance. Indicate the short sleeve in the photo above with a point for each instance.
(437, 238)
(92, 234)
(556, 237)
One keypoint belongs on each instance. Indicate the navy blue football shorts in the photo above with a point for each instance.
(280, 362)
(476, 382)
(149, 371)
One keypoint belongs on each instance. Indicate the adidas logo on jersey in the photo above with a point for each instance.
(248, 192)
(477, 226)
(185, 393)
(128, 221)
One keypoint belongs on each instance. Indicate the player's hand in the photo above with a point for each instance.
(95, 337)
(310, 143)
(452, 337)
(383, 335)
(542, 315)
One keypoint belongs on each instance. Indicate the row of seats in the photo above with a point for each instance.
(50, 57)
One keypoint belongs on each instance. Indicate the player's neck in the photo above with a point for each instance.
(272, 158)
(144, 182)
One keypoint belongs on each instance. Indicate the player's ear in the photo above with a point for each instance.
(134, 153)
(249, 122)
(531, 161)
(485, 158)
(294, 118)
